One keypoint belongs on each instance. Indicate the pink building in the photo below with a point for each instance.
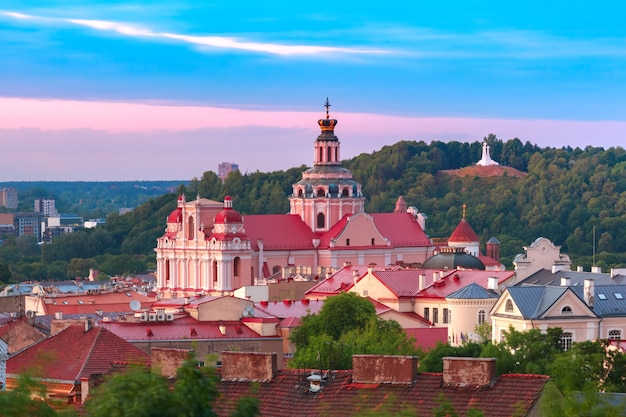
(210, 248)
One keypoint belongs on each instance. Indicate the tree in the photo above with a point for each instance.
(346, 324)
(25, 400)
(139, 392)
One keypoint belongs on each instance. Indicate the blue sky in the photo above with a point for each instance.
(552, 73)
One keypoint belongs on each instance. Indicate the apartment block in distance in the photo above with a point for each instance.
(226, 168)
(47, 206)
(8, 198)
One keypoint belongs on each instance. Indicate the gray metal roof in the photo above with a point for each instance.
(547, 277)
(607, 301)
(473, 291)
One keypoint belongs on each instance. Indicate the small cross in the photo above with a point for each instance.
(327, 105)
(464, 207)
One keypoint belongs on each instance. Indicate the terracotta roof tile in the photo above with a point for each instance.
(74, 353)
(278, 231)
(288, 395)
(463, 233)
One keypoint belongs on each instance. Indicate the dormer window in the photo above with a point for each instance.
(566, 310)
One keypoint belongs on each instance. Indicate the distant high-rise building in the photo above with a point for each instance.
(46, 206)
(226, 168)
(8, 198)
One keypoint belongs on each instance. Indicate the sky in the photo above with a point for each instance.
(123, 90)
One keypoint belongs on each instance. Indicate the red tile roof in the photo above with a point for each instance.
(404, 282)
(278, 231)
(288, 308)
(463, 233)
(341, 280)
(457, 279)
(74, 353)
(402, 229)
(118, 302)
(288, 395)
(186, 328)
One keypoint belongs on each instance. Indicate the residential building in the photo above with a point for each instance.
(69, 358)
(46, 206)
(210, 248)
(8, 198)
(7, 226)
(28, 224)
(225, 168)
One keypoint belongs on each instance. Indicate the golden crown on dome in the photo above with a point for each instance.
(327, 124)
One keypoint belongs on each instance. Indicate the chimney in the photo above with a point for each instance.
(557, 268)
(249, 366)
(435, 276)
(422, 281)
(167, 360)
(377, 369)
(589, 292)
(492, 284)
(58, 315)
(468, 372)
(355, 275)
(580, 268)
(565, 282)
(596, 269)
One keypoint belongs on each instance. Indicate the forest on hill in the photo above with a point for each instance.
(569, 195)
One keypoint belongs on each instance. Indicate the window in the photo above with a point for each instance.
(236, 266)
(508, 307)
(435, 315)
(566, 310)
(446, 315)
(345, 192)
(373, 241)
(615, 334)
(190, 228)
(427, 313)
(566, 340)
(601, 296)
(481, 316)
(321, 192)
(619, 296)
(321, 221)
(347, 242)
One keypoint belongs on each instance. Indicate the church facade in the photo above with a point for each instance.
(210, 248)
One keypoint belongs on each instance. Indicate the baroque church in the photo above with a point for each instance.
(210, 248)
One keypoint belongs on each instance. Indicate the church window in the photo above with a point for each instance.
(330, 156)
(566, 340)
(508, 307)
(321, 154)
(566, 310)
(236, 266)
(167, 271)
(615, 334)
(321, 192)
(336, 154)
(347, 242)
(321, 221)
(300, 192)
(345, 192)
(190, 228)
(373, 241)
(481, 316)
(214, 272)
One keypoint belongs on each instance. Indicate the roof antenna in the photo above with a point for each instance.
(594, 247)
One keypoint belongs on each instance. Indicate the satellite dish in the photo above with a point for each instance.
(135, 305)
(248, 311)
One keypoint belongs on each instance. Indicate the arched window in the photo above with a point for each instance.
(481, 316)
(236, 266)
(615, 334)
(167, 272)
(566, 310)
(508, 307)
(214, 273)
(321, 221)
(300, 192)
(566, 340)
(190, 228)
(345, 192)
(321, 154)
(330, 155)
(321, 192)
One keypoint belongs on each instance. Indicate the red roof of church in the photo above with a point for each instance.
(278, 231)
(228, 214)
(463, 233)
(175, 216)
(74, 353)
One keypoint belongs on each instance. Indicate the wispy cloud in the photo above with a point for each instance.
(220, 42)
